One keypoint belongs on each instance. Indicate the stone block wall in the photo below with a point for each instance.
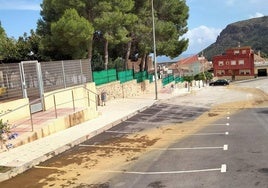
(128, 89)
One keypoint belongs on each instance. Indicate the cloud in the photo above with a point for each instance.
(256, 15)
(20, 5)
(201, 37)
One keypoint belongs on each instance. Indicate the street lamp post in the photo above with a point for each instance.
(155, 66)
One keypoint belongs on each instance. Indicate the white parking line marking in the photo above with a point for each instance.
(48, 167)
(203, 134)
(225, 147)
(228, 124)
(165, 123)
(222, 170)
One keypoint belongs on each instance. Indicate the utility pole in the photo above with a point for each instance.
(155, 66)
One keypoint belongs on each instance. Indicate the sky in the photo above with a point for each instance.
(207, 18)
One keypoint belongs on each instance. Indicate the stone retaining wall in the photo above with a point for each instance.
(116, 90)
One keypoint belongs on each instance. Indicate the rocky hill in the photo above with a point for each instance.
(252, 32)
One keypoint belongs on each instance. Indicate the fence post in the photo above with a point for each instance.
(73, 100)
(31, 117)
(88, 99)
(81, 69)
(63, 72)
(55, 106)
(96, 101)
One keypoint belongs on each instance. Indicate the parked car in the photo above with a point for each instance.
(220, 82)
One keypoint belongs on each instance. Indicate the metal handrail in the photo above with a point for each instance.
(53, 93)
(20, 107)
(72, 89)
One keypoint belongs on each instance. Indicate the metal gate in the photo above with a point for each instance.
(32, 84)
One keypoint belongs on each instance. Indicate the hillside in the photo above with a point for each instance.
(252, 32)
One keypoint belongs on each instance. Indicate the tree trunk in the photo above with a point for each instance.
(127, 54)
(90, 44)
(90, 47)
(146, 62)
(143, 61)
(106, 54)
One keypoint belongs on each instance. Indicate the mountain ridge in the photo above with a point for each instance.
(252, 32)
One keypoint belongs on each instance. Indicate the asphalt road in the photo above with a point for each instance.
(243, 152)
(185, 142)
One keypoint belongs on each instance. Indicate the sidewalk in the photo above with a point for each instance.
(28, 155)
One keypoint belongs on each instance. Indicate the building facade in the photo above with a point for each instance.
(190, 66)
(236, 64)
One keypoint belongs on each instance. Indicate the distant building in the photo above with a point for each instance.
(236, 64)
(190, 66)
(261, 65)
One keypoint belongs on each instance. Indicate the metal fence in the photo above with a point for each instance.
(141, 76)
(30, 79)
(167, 80)
(105, 76)
(125, 76)
(63, 74)
(10, 81)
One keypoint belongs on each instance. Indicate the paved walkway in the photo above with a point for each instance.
(28, 155)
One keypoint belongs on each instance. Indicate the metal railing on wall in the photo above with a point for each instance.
(10, 81)
(63, 74)
(125, 76)
(104, 77)
(55, 75)
(167, 80)
(70, 103)
(111, 75)
(73, 99)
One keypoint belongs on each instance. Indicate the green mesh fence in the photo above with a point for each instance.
(150, 77)
(105, 76)
(125, 76)
(167, 80)
(141, 76)
(178, 79)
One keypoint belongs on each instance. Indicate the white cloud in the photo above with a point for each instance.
(20, 5)
(201, 37)
(256, 15)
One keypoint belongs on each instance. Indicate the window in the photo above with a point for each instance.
(244, 72)
(236, 52)
(221, 63)
(233, 62)
(241, 62)
(220, 72)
